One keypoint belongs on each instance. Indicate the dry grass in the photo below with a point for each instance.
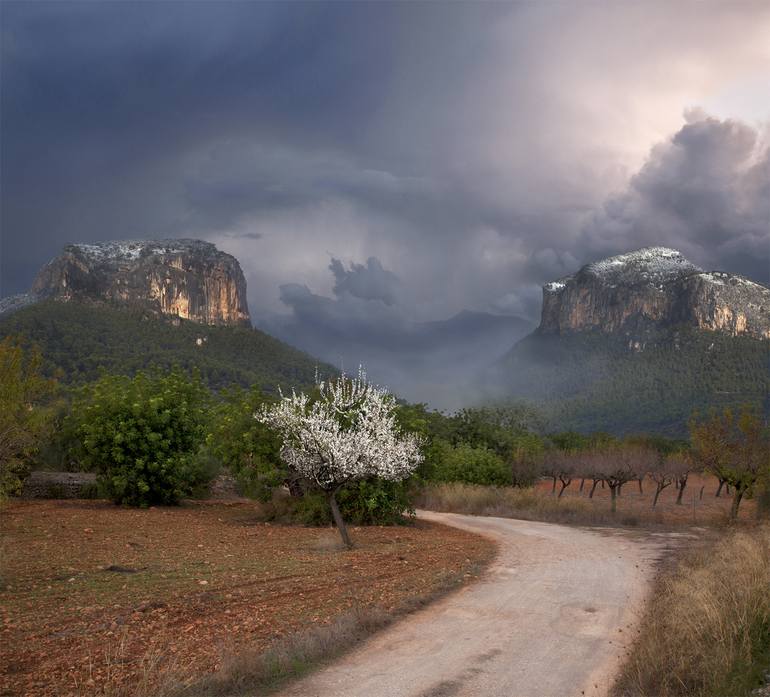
(699, 505)
(525, 504)
(707, 627)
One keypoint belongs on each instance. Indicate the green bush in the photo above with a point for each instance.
(368, 502)
(376, 502)
(472, 465)
(248, 448)
(142, 436)
(23, 419)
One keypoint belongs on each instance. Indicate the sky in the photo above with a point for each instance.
(388, 162)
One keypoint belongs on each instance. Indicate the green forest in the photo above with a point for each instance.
(590, 382)
(79, 341)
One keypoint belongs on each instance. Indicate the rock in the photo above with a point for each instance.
(59, 485)
(187, 279)
(652, 288)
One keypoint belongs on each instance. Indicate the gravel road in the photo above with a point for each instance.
(551, 617)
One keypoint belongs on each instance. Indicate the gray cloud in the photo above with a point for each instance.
(705, 191)
(367, 282)
(364, 323)
(472, 148)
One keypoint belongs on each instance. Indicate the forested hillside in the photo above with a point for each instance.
(79, 340)
(589, 381)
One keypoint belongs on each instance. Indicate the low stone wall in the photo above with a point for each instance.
(59, 485)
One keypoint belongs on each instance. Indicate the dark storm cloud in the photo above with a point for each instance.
(367, 282)
(706, 191)
(108, 107)
(459, 147)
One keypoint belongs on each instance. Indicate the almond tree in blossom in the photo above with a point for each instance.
(345, 433)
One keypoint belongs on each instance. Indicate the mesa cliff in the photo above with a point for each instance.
(188, 279)
(652, 288)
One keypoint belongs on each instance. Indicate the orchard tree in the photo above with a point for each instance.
(734, 448)
(617, 465)
(679, 466)
(661, 473)
(560, 466)
(347, 432)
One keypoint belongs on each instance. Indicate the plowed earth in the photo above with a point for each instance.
(98, 599)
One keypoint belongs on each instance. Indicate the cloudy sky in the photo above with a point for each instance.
(391, 161)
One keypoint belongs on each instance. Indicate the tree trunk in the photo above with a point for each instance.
(736, 502)
(657, 493)
(295, 487)
(700, 496)
(582, 484)
(593, 488)
(553, 488)
(719, 488)
(613, 498)
(564, 485)
(641, 491)
(620, 486)
(330, 495)
(682, 485)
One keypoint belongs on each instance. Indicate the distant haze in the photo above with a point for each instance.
(377, 166)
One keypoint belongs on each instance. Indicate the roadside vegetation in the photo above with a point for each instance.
(706, 632)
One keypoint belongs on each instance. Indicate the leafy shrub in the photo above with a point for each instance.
(368, 502)
(22, 419)
(376, 502)
(248, 448)
(142, 436)
(472, 465)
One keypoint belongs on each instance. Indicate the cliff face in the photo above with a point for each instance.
(650, 288)
(190, 279)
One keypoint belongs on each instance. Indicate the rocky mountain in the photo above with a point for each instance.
(185, 279)
(639, 341)
(645, 290)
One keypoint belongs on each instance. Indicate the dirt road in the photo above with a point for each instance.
(551, 618)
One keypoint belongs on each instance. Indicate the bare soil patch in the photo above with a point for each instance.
(97, 599)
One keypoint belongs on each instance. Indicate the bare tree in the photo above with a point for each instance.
(680, 466)
(663, 477)
(560, 466)
(620, 464)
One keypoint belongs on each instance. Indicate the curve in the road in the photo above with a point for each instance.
(551, 617)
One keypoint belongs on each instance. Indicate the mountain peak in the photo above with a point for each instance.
(647, 265)
(189, 279)
(130, 250)
(652, 287)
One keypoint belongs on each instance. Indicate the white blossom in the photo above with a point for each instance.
(348, 432)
